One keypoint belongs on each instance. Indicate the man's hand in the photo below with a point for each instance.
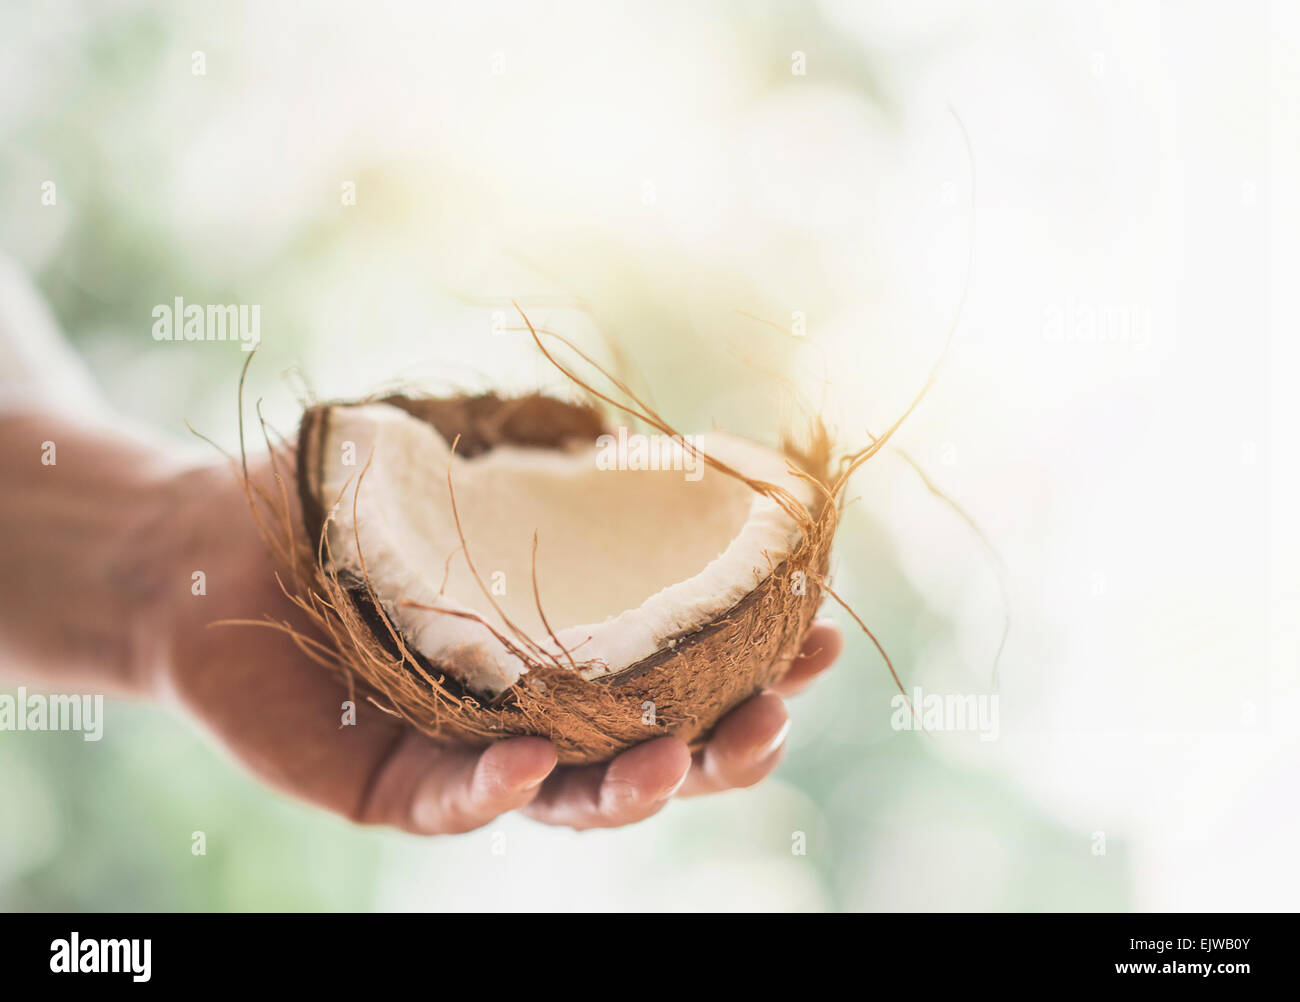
(105, 548)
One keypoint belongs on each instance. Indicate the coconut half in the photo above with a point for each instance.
(550, 575)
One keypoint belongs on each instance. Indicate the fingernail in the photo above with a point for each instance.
(676, 786)
(776, 742)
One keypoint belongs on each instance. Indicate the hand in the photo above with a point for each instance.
(279, 713)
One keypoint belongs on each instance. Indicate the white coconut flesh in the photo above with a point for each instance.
(630, 561)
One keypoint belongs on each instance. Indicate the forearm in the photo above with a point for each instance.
(82, 523)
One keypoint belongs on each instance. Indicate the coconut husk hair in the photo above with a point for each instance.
(682, 690)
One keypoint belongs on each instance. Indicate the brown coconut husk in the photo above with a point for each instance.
(682, 690)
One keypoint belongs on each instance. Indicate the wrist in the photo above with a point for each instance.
(208, 564)
(158, 545)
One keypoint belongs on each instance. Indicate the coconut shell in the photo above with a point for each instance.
(683, 690)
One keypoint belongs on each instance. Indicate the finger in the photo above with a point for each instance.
(747, 744)
(431, 790)
(632, 787)
(820, 648)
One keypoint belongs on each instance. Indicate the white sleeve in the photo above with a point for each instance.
(37, 366)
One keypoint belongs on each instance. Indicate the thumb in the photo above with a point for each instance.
(429, 789)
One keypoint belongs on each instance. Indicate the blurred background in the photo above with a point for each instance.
(759, 211)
